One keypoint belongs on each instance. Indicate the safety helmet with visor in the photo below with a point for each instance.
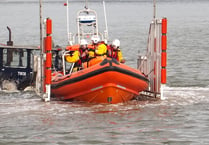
(95, 39)
(83, 42)
(116, 43)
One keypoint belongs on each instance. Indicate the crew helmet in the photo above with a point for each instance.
(116, 43)
(83, 42)
(95, 39)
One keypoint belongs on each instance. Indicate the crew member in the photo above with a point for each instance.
(83, 50)
(95, 41)
(101, 50)
(115, 52)
(73, 56)
(78, 55)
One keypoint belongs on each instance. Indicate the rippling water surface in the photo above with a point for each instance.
(183, 118)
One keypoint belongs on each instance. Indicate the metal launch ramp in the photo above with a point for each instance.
(153, 63)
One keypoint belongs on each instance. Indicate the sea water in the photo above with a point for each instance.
(181, 119)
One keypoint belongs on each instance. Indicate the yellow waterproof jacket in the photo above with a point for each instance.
(91, 51)
(91, 54)
(74, 57)
(120, 56)
(101, 50)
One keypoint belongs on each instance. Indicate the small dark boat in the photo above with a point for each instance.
(16, 65)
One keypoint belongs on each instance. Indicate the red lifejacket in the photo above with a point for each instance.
(112, 53)
(84, 58)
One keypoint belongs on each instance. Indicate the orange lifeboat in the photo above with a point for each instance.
(106, 82)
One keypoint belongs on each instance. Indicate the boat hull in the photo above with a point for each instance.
(107, 82)
(108, 93)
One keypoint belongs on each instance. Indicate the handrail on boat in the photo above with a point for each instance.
(64, 63)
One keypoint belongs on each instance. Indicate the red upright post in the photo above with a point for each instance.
(48, 60)
(164, 48)
(48, 49)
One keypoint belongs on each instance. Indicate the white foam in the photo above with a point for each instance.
(9, 85)
(27, 102)
(29, 88)
(186, 95)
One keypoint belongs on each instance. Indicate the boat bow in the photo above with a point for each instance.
(106, 82)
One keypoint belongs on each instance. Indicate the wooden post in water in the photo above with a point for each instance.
(45, 58)
(41, 48)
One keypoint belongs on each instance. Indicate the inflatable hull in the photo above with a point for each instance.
(106, 82)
